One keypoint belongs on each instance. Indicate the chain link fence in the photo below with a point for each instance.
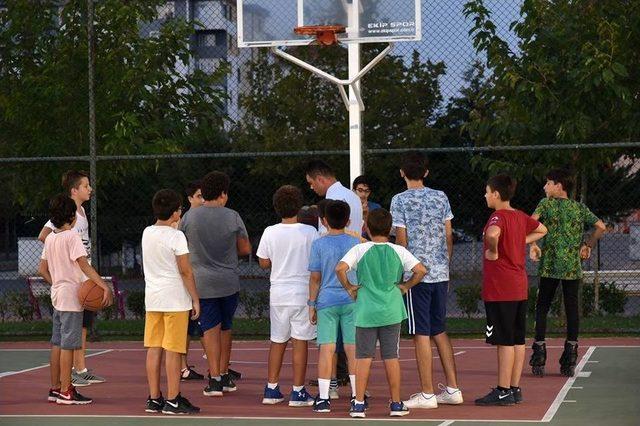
(186, 100)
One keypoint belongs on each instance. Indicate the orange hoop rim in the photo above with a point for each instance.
(325, 34)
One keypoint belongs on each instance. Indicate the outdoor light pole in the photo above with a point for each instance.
(92, 133)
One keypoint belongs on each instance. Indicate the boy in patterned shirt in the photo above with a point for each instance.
(560, 263)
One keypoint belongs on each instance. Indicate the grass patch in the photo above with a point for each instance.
(245, 329)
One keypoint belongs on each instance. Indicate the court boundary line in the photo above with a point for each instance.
(26, 370)
(557, 402)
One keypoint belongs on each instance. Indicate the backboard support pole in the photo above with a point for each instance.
(356, 166)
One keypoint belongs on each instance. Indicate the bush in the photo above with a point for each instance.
(110, 312)
(44, 301)
(135, 303)
(611, 298)
(19, 304)
(255, 303)
(4, 308)
(467, 297)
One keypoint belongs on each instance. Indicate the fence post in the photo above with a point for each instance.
(596, 281)
(92, 133)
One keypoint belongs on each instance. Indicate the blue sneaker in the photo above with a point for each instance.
(398, 409)
(322, 405)
(272, 396)
(300, 399)
(366, 401)
(357, 410)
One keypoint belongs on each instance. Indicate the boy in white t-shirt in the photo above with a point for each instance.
(64, 265)
(76, 185)
(285, 248)
(170, 293)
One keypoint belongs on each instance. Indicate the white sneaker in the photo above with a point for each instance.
(418, 400)
(445, 397)
(333, 393)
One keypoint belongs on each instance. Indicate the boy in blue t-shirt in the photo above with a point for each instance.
(329, 303)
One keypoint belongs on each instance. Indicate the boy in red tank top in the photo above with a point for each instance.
(505, 286)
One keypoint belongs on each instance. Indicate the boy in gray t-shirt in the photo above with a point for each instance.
(216, 237)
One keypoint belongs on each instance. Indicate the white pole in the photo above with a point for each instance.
(355, 115)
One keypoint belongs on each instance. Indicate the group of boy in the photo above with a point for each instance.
(328, 283)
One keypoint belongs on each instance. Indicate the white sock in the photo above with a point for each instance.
(359, 402)
(81, 371)
(272, 385)
(298, 388)
(452, 390)
(216, 378)
(323, 388)
(352, 379)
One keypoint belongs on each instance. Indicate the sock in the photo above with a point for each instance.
(515, 387)
(272, 385)
(427, 395)
(452, 390)
(183, 371)
(216, 378)
(352, 379)
(81, 371)
(334, 383)
(224, 374)
(298, 388)
(358, 402)
(572, 342)
(539, 342)
(323, 388)
(500, 388)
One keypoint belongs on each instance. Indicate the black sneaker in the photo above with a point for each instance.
(186, 402)
(228, 385)
(235, 375)
(190, 374)
(154, 405)
(214, 388)
(72, 397)
(321, 405)
(497, 397)
(178, 405)
(53, 394)
(517, 394)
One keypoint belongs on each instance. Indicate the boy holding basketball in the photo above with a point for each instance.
(76, 185)
(64, 265)
(284, 248)
(170, 293)
(505, 287)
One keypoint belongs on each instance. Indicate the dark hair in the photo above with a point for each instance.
(322, 208)
(504, 184)
(361, 180)
(337, 214)
(317, 168)
(192, 187)
(287, 201)
(71, 179)
(165, 202)
(309, 216)
(414, 165)
(379, 223)
(62, 210)
(214, 184)
(563, 177)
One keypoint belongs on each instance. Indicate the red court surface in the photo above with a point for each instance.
(125, 392)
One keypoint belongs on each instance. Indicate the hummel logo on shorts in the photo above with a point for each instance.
(489, 331)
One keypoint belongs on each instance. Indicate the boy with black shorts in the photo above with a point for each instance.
(560, 258)
(379, 309)
(505, 286)
(64, 265)
(77, 187)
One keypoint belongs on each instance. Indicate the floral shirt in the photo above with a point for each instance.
(565, 219)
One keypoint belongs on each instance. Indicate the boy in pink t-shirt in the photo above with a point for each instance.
(63, 263)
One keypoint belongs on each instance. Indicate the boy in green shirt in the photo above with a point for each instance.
(560, 263)
(379, 307)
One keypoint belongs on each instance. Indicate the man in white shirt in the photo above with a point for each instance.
(322, 179)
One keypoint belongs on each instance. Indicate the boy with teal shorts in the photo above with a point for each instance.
(379, 309)
(330, 306)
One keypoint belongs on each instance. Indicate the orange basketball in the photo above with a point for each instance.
(90, 295)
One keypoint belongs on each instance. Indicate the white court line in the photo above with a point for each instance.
(577, 387)
(584, 374)
(592, 362)
(26, 370)
(447, 423)
(569, 400)
(565, 389)
(315, 363)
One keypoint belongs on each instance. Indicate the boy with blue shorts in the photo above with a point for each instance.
(330, 306)
(422, 219)
(284, 248)
(379, 307)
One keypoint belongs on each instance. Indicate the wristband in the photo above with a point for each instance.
(312, 303)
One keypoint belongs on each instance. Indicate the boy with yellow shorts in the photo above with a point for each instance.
(170, 293)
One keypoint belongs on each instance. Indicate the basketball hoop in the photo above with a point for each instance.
(326, 35)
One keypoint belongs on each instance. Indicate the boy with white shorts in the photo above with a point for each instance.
(285, 248)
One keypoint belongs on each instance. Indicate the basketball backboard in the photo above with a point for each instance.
(264, 23)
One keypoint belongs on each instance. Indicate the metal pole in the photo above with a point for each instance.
(92, 134)
(355, 114)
